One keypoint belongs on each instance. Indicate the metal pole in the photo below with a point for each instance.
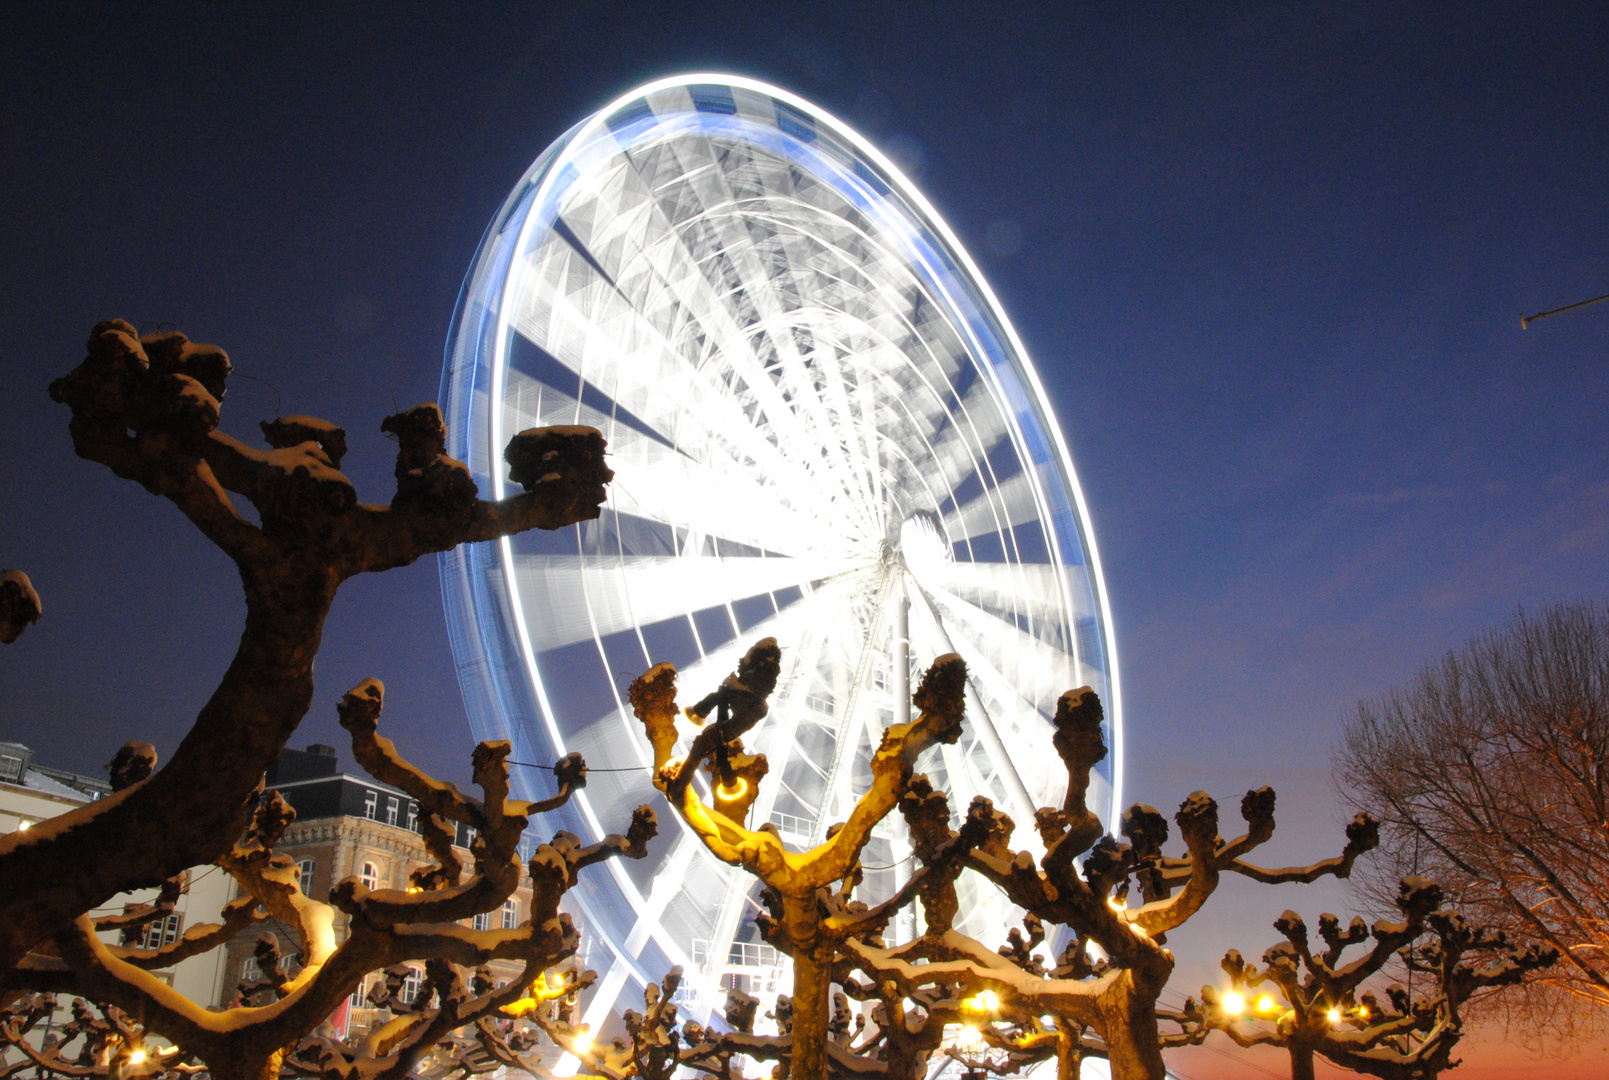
(905, 921)
(1527, 320)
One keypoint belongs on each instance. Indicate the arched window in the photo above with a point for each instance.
(370, 876)
(483, 921)
(410, 985)
(511, 913)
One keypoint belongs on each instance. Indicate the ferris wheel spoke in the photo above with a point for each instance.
(672, 260)
(658, 483)
(999, 509)
(991, 703)
(1020, 666)
(598, 331)
(680, 403)
(623, 593)
(1036, 590)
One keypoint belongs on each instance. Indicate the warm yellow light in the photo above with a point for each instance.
(415, 889)
(23, 825)
(985, 1001)
(581, 1042)
(136, 1056)
(735, 792)
(1234, 1004)
(1335, 1016)
(969, 1039)
(1265, 1004)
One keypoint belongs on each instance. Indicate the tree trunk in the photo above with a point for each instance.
(1301, 1063)
(812, 1008)
(812, 988)
(1069, 1050)
(1132, 1040)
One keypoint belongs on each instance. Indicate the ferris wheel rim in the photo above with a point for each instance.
(1042, 416)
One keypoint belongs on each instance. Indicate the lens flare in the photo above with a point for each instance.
(1234, 1004)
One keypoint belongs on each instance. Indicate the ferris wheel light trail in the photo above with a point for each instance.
(824, 430)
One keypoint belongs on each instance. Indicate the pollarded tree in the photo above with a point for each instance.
(1490, 774)
(385, 927)
(1315, 1003)
(810, 894)
(1118, 1000)
(148, 408)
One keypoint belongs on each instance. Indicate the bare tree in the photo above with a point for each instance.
(1490, 773)
(1315, 1003)
(148, 408)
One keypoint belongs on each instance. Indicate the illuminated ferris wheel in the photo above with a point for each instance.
(823, 430)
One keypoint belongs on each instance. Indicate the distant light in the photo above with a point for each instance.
(969, 1039)
(136, 1056)
(1363, 1012)
(1335, 1016)
(985, 1001)
(1266, 1004)
(1234, 1004)
(581, 1042)
(24, 825)
(415, 889)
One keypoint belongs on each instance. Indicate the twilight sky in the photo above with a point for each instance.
(1270, 261)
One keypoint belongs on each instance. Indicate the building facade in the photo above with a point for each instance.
(351, 825)
(31, 792)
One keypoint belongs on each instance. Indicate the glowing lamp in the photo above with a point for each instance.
(136, 1056)
(581, 1042)
(1334, 1015)
(1234, 1004)
(734, 791)
(1266, 1004)
(1363, 1012)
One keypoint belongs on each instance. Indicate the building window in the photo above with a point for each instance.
(250, 971)
(391, 808)
(370, 876)
(511, 914)
(483, 921)
(304, 868)
(10, 767)
(413, 817)
(469, 835)
(164, 931)
(410, 985)
(358, 1000)
(370, 800)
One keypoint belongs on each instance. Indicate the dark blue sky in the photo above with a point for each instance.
(1271, 264)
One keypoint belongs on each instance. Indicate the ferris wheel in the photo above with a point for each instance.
(823, 430)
